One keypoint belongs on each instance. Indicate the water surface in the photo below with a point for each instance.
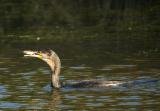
(25, 82)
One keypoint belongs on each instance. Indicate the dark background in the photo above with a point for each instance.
(117, 25)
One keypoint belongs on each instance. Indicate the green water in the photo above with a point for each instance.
(25, 82)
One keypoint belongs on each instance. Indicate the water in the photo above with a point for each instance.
(25, 82)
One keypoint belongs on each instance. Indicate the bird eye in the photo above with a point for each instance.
(49, 54)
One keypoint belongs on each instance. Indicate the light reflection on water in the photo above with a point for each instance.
(25, 84)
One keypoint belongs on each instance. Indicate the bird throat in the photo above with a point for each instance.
(55, 81)
(55, 68)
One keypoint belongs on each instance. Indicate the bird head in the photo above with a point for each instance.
(45, 55)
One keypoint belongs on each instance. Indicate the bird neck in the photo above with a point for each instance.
(55, 81)
(55, 67)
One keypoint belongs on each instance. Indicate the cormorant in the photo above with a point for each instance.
(52, 59)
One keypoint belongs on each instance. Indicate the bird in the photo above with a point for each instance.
(54, 62)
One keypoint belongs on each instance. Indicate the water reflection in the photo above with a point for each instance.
(3, 92)
(10, 105)
(54, 102)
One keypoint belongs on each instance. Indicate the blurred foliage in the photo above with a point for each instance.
(97, 15)
(125, 24)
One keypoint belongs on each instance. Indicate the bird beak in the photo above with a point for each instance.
(32, 54)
